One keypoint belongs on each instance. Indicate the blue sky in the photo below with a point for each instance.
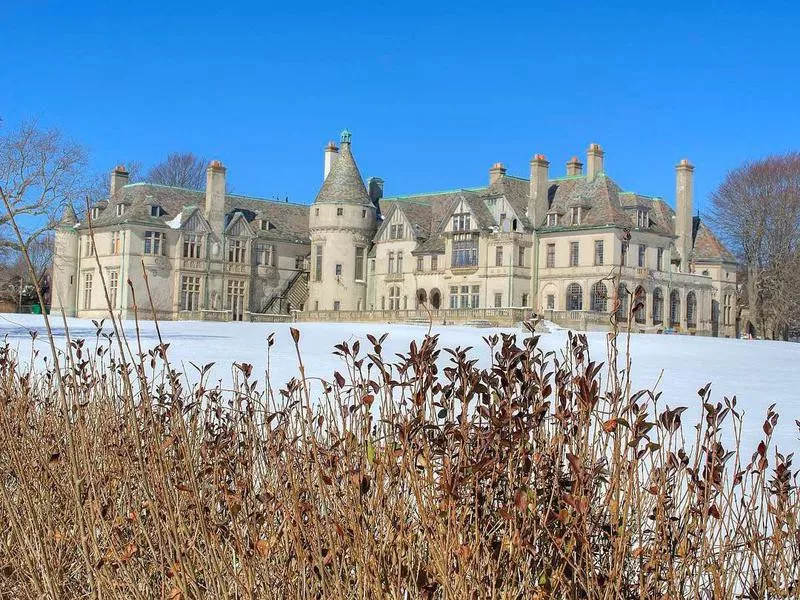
(434, 93)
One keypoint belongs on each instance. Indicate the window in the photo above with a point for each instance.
(524, 299)
(155, 211)
(434, 262)
(391, 263)
(299, 262)
(573, 254)
(659, 258)
(191, 245)
(639, 305)
(116, 245)
(88, 246)
(316, 214)
(691, 310)
(674, 308)
(551, 256)
(575, 215)
(498, 300)
(598, 301)
(153, 242)
(113, 286)
(642, 255)
(574, 297)
(658, 306)
(87, 291)
(95, 212)
(363, 213)
(642, 219)
(190, 293)
(552, 220)
(399, 262)
(394, 298)
(498, 256)
(551, 302)
(340, 212)
(318, 263)
(461, 222)
(475, 302)
(513, 224)
(337, 305)
(598, 252)
(405, 302)
(454, 297)
(270, 255)
(622, 303)
(396, 231)
(236, 251)
(465, 253)
(521, 256)
(120, 210)
(359, 263)
(264, 225)
(338, 269)
(624, 254)
(236, 298)
(316, 304)
(420, 263)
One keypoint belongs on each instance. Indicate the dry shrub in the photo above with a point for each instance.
(533, 478)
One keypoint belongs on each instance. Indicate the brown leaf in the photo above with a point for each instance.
(174, 594)
(262, 548)
(610, 426)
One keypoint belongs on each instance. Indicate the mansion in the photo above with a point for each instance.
(574, 247)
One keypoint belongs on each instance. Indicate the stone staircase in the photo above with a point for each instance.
(293, 296)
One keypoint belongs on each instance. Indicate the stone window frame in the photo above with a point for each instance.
(88, 282)
(574, 254)
(574, 296)
(154, 242)
(550, 256)
(599, 253)
(598, 297)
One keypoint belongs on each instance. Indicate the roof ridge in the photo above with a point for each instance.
(161, 185)
(437, 193)
(272, 200)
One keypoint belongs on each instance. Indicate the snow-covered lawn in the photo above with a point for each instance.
(759, 373)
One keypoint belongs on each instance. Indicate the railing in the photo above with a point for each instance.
(203, 315)
(495, 316)
(394, 277)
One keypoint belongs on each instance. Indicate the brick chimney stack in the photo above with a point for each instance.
(496, 172)
(574, 167)
(215, 196)
(119, 179)
(594, 161)
(684, 197)
(538, 203)
(331, 154)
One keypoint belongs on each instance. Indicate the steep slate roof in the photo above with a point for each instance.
(707, 246)
(344, 183)
(289, 220)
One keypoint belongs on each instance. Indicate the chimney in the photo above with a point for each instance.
(538, 203)
(375, 189)
(119, 179)
(496, 172)
(215, 196)
(331, 154)
(594, 161)
(684, 192)
(574, 167)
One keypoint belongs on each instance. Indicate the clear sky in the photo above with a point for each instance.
(433, 92)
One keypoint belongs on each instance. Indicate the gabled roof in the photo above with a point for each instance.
(344, 183)
(707, 246)
(290, 219)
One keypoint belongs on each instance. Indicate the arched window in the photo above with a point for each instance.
(674, 308)
(574, 297)
(422, 296)
(658, 306)
(599, 297)
(640, 305)
(691, 310)
(622, 303)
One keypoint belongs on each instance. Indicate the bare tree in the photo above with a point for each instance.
(40, 172)
(756, 209)
(180, 169)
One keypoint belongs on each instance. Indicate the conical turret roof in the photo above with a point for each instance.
(68, 217)
(344, 183)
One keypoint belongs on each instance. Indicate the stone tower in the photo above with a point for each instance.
(684, 192)
(342, 223)
(65, 267)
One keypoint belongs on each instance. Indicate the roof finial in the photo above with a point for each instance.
(346, 135)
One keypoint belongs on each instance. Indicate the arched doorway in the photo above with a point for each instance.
(640, 305)
(436, 299)
(422, 297)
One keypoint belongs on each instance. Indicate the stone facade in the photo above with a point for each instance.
(576, 248)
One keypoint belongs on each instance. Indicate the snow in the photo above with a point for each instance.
(759, 373)
(175, 223)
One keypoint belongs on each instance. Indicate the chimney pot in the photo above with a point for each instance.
(496, 172)
(574, 167)
(594, 161)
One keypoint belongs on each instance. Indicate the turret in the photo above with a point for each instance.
(342, 223)
(65, 264)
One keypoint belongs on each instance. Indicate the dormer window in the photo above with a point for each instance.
(643, 218)
(396, 231)
(461, 222)
(95, 212)
(552, 220)
(264, 225)
(575, 215)
(120, 210)
(155, 210)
